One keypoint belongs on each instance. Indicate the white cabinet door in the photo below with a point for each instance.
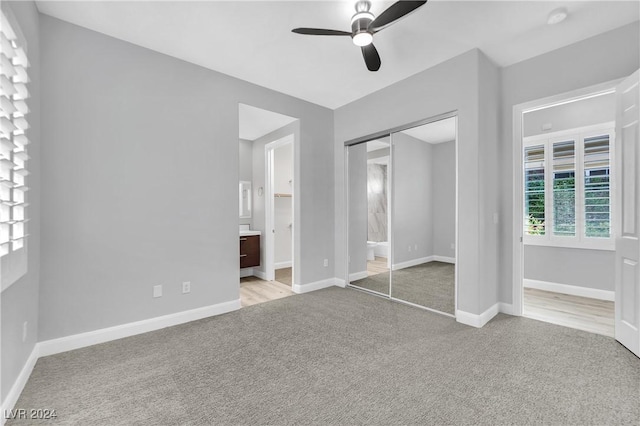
(627, 152)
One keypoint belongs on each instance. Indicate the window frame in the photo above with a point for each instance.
(14, 263)
(580, 240)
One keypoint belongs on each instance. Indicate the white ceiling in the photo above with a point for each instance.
(436, 132)
(256, 122)
(376, 145)
(252, 40)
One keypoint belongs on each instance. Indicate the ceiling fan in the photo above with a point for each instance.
(364, 25)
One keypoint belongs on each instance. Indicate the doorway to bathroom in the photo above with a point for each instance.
(267, 204)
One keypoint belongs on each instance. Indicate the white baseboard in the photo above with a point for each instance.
(444, 259)
(317, 285)
(280, 265)
(14, 393)
(413, 262)
(570, 289)
(358, 276)
(475, 320)
(340, 283)
(246, 272)
(260, 274)
(506, 308)
(76, 341)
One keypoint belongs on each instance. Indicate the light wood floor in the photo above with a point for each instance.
(377, 266)
(582, 313)
(254, 290)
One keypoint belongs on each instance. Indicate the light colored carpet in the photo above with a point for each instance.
(339, 356)
(430, 284)
(377, 282)
(283, 276)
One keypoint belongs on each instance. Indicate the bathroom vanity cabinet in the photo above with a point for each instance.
(249, 251)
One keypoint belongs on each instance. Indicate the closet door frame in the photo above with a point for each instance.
(382, 134)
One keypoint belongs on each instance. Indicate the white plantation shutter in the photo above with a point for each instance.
(14, 123)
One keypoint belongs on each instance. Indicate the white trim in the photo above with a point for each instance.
(76, 341)
(475, 320)
(358, 276)
(15, 391)
(280, 265)
(587, 243)
(594, 128)
(246, 272)
(444, 259)
(317, 285)
(572, 290)
(505, 308)
(340, 282)
(260, 274)
(413, 262)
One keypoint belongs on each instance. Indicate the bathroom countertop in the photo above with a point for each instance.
(247, 233)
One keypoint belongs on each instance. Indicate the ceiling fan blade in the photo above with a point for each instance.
(320, 31)
(371, 57)
(393, 13)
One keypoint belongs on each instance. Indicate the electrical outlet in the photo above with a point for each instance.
(409, 248)
(157, 290)
(453, 246)
(186, 287)
(415, 247)
(25, 328)
(326, 262)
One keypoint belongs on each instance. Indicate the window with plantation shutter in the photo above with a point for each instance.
(14, 112)
(568, 188)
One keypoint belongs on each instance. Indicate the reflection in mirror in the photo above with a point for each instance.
(245, 199)
(369, 178)
(424, 215)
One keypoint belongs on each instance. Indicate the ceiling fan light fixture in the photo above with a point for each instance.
(363, 38)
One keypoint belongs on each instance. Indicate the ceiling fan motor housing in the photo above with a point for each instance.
(361, 20)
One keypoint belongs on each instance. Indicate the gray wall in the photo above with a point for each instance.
(600, 109)
(412, 198)
(463, 84)
(246, 168)
(20, 301)
(358, 208)
(444, 198)
(539, 77)
(141, 153)
(582, 268)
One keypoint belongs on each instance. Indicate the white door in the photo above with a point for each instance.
(627, 151)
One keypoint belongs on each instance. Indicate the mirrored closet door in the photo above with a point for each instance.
(424, 214)
(402, 215)
(369, 201)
